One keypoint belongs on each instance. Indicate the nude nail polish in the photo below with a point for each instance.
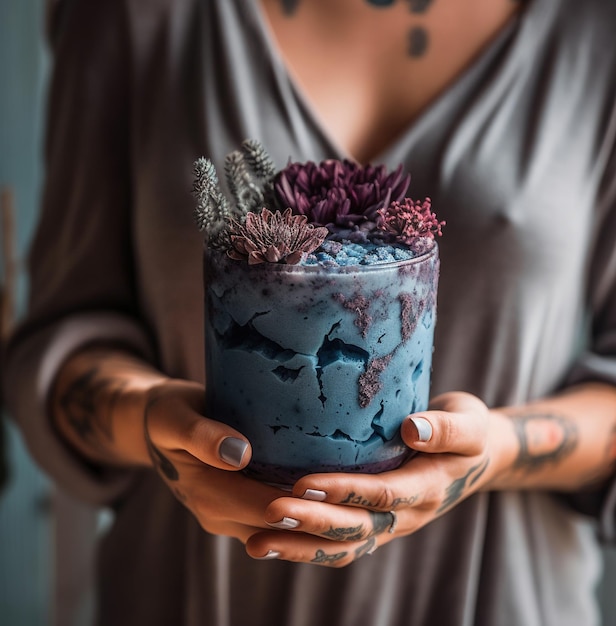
(314, 494)
(424, 428)
(269, 555)
(286, 523)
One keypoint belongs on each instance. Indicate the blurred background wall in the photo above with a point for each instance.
(25, 523)
(46, 538)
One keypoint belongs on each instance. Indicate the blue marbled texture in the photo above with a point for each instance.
(318, 366)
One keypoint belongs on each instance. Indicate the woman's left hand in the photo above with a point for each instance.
(333, 519)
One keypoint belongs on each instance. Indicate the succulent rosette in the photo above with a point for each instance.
(339, 194)
(273, 237)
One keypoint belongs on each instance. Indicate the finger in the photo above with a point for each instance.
(220, 498)
(302, 548)
(457, 423)
(330, 521)
(173, 421)
(387, 491)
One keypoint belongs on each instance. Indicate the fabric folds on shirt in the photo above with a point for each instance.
(518, 158)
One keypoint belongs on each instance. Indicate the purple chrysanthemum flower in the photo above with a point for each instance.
(273, 237)
(339, 194)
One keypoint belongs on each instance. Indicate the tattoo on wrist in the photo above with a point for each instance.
(88, 405)
(544, 439)
(459, 487)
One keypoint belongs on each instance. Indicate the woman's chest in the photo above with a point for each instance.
(369, 69)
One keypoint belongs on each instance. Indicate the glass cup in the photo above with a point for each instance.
(318, 366)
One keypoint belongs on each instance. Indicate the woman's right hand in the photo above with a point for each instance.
(114, 409)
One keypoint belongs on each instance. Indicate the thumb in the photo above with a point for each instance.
(456, 423)
(174, 421)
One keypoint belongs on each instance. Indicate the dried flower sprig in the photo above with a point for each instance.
(273, 237)
(248, 173)
(339, 194)
(258, 159)
(212, 210)
(407, 221)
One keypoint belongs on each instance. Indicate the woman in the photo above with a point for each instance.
(504, 114)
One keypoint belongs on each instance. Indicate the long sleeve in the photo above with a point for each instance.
(82, 284)
(598, 361)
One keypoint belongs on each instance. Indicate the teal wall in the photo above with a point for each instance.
(25, 528)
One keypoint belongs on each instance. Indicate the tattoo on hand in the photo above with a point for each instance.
(544, 439)
(321, 557)
(381, 521)
(458, 487)
(180, 495)
(353, 498)
(88, 404)
(365, 548)
(351, 533)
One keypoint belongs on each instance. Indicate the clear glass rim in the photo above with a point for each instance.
(333, 269)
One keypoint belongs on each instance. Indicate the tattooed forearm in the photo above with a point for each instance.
(88, 404)
(544, 439)
(456, 490)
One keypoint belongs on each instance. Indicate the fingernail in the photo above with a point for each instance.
(424, 428)
(232, 450)
(285, 523)
(270, 554)
(314, 494)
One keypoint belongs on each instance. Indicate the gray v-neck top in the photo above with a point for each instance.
(518, 157)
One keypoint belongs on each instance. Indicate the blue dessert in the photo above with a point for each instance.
(320, 306)
(318, 364)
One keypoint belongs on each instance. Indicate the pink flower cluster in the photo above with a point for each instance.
(408, 220)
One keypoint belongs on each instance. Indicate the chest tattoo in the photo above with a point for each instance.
(419, 6)
(418, 41)
(289, 6)
(418, 37)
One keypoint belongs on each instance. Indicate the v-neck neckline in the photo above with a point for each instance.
(428, 113)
